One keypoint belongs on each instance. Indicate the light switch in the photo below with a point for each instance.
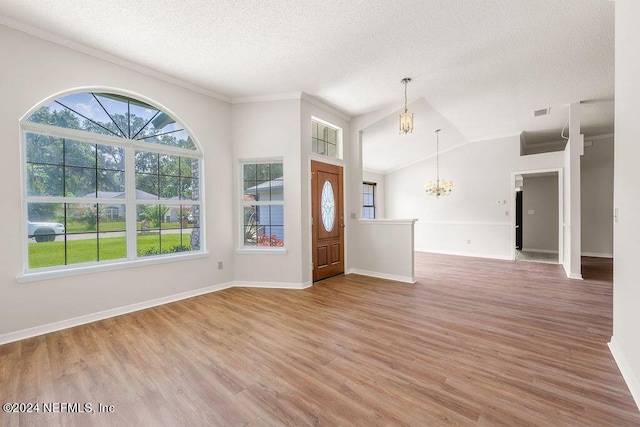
(530, 211)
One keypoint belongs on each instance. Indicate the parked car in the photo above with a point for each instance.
(45, 231)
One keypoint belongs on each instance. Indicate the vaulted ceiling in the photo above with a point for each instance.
(483, 67)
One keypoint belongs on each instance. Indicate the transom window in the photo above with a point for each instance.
(325, 139)
(108, 177)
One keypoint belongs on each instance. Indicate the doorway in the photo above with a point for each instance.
(327, 220)
(519, 219)
(538, 216)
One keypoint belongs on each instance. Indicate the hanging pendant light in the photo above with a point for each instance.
(406, 118)
(440, 187)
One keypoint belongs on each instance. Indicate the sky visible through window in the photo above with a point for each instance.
(118, 116)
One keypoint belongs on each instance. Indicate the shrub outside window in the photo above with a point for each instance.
(262, 204)
(108, 177)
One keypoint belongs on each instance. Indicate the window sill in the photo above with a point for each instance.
(34, 276)
(263, 251)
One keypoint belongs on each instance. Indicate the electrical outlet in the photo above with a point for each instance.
(353, 215)
(220, 265)
(468, 241)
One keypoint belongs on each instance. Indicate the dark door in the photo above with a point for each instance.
(519, 220)
(327, 220)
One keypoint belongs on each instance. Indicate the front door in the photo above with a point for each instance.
(327, 220)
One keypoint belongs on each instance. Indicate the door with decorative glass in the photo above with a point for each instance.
(327, 220)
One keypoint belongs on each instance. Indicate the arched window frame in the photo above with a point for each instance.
(130, 146)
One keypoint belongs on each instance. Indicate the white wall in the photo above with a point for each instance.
(373, 240)
(34, 70)
(625, 343)
(540, 213)
(572, 231)
(281, 129)
(385, 249)
(263, 130)
(378, 179)
(597, 198)
(481, 174)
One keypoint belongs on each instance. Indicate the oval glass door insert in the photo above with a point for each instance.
(328, 206)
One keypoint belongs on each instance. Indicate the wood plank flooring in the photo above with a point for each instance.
(474, 343)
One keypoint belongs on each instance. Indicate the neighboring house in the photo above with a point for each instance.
(273, 214)
(173, 215)
(117, 211)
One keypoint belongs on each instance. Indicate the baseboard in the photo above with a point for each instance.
(633, 382)
(570, 275)
(272, 285)
(378, 275)
(472, 255)
(597, 255)
(93, 317)
(540, 251)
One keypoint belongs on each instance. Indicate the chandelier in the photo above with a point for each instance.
(440, 187)
(406, 118)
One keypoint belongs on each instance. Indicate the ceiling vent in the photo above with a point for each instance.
(543, 112)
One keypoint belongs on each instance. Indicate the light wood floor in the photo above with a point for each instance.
(474, 342)
(551, 258)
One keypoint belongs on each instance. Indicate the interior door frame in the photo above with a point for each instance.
(512, 199)
(335, 162)
(519, 219)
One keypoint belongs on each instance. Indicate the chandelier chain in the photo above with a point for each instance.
(405, 96)
(437, 158)
(440, 187)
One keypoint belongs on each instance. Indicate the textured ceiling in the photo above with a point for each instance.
(482, 65)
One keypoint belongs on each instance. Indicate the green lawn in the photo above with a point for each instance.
(105, 226)
(49, 254)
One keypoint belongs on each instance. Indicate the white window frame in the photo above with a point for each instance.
(242, 204)
(130, 146)
(374, 186)
(339, 150)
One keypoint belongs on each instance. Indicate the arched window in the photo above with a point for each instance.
(108, 178)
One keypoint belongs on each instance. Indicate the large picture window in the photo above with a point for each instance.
(101, 168)
(262, 204)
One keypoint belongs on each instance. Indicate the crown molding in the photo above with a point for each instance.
(266, 98)
(97, 53)
(326, 107)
